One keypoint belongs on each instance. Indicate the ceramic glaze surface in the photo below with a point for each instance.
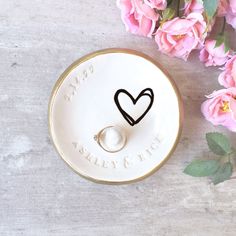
(83, 104)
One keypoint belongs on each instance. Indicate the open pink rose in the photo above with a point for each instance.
(138, 17)
(227, 78)
(231, 13)
(220, 108)
(158, 4)
(178, 37)
(193, 6)
(213, 56)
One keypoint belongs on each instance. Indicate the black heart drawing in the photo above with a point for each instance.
(146, 92)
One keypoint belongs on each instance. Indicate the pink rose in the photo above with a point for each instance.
(222, 8)
(231, 13)
(220, 108)
(213, 56)
(178, 37)
(138, 17)
(227, 78)
(193, 6)
(158, 4)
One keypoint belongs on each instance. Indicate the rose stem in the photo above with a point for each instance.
(169, 2)
(177, 8)
(223, 27)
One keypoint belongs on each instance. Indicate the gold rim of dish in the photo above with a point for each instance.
(107, 51)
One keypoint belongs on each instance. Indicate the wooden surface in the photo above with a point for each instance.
(39, 194)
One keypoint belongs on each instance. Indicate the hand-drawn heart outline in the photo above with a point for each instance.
(127, 117)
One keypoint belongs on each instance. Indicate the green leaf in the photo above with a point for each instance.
(201, 168)
(223, 173)
(222, 39)
(227, 46)
(210, 7)
(218, 143)
(233, 151)
(168, 14)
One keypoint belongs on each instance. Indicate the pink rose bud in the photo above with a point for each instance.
(193, 6)
(231, 13)
(138, 17)
(178, 37)
(220, 108)
(227, 78)
(158, 4)
(212, 55)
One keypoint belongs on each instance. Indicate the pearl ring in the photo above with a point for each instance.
(111, 139)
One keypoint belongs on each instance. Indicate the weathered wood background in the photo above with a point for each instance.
(39, 194)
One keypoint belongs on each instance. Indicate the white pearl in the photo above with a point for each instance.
(112, 139)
